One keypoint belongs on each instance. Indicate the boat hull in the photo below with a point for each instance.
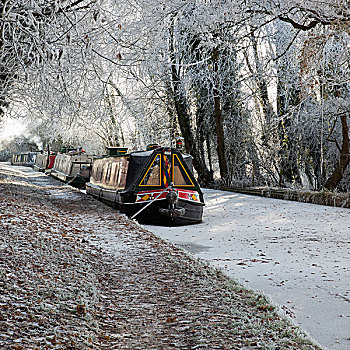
(151, 215)
(75, 181)
(193, 211)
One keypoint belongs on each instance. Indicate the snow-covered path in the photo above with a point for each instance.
(297, 253)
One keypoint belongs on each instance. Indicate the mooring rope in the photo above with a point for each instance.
(148, 204)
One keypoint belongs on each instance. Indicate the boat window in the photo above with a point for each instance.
(102, 171)
(115, 177)
(180, 176)
(124, 165)
(108, 174)
(99, 173)
(152, 176)
(96, 173)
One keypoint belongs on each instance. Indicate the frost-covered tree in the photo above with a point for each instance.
(325, 79)
(179, 57)
(36, 34)
(258, 89)
(303, 104)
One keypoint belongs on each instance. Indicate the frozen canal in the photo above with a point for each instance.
(297, 253)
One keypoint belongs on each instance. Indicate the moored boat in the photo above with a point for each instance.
(44, 161)
(24, 158)
(73, 167)
(153, 186)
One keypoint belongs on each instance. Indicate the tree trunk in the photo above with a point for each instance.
(344, 160)
(5, 73)
(262, 85)
(205, 177)
(170, 110)
(218, 121)
(201, 132)
(288, 161)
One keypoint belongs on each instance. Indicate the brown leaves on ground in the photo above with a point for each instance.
(74, 274)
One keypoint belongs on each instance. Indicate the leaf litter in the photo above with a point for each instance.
(75, 274)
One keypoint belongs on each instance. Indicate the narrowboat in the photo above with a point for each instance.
(44, 161)
(24, 158)
(73, 167)
(153, 186)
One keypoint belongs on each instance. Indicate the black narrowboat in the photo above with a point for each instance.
(153, 186)
(73, 168)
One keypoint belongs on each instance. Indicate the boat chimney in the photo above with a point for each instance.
(116, 151)
(178, 143)
(152, 146)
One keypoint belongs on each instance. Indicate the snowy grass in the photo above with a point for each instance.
(333, 199)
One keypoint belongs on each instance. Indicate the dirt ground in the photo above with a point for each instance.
(75, 274)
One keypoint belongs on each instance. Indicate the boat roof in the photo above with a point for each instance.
(138, 160)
